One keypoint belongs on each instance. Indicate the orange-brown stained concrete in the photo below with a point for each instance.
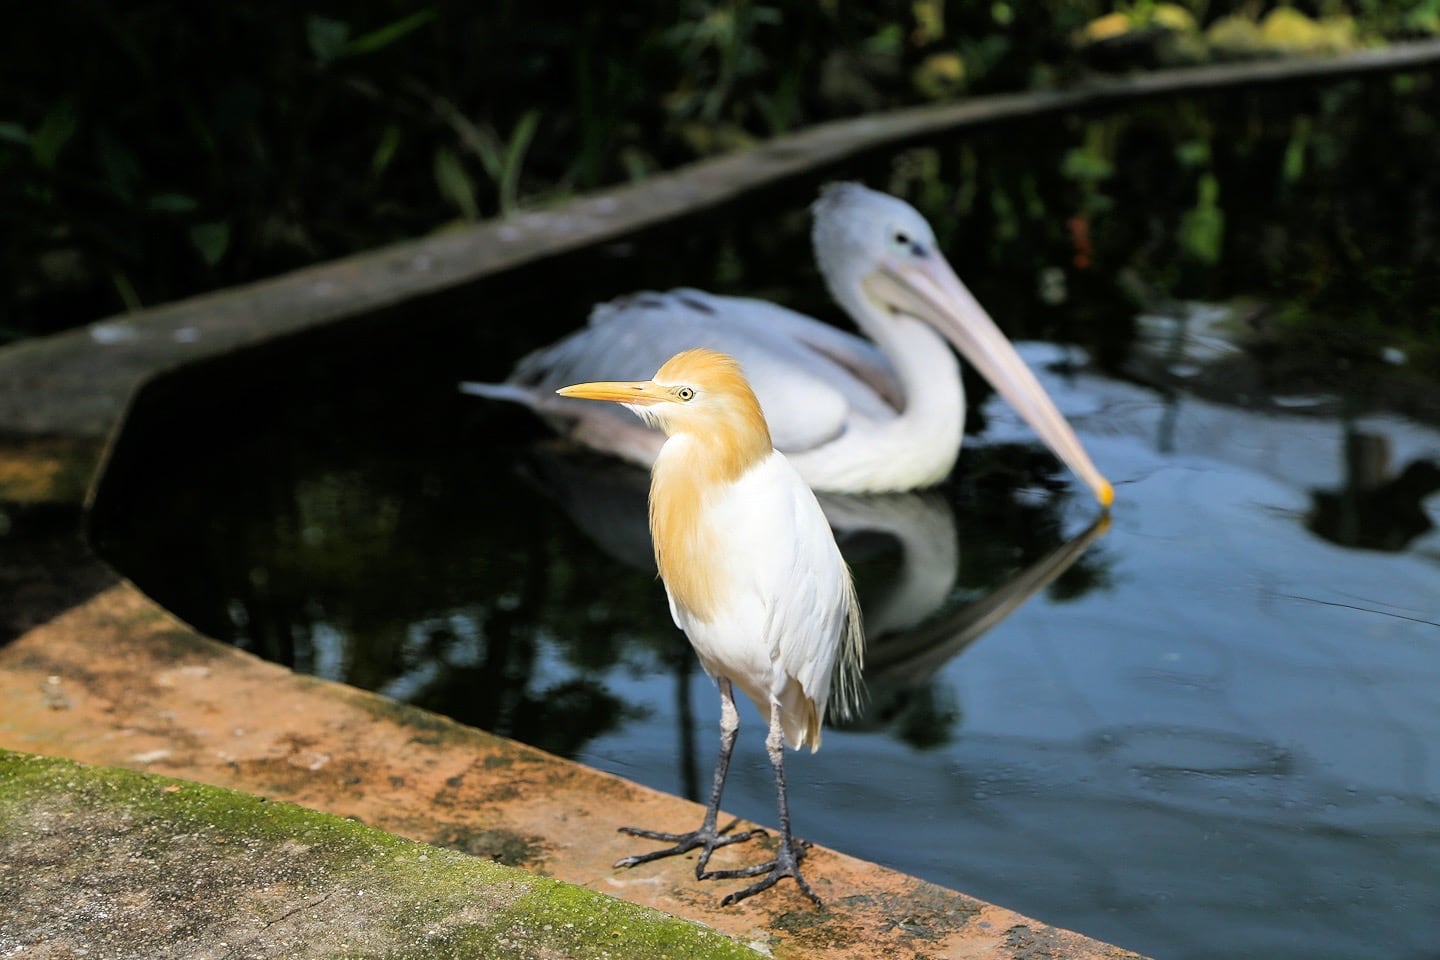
(118, 681)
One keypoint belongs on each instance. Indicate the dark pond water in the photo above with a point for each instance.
(1212, 731)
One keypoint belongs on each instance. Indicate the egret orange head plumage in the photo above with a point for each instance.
(701, 398)
(700, 393)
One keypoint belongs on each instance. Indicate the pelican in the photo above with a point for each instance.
(754, 579)
(852, 415)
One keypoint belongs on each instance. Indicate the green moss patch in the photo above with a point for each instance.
(117, 863)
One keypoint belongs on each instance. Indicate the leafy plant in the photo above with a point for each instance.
(192, 148)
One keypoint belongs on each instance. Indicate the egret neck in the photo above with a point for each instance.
(702, 459)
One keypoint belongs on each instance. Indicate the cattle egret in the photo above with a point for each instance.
(754, 579)
(853, 415)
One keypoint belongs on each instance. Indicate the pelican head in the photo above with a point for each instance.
(880, 260)
(699, 394)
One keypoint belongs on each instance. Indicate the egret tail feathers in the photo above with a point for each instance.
(800, 718)
(847, 682)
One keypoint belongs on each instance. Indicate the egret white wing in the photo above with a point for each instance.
(811, 618)
(824, 649)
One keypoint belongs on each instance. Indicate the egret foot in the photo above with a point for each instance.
(707, 838)
(786, 864)
(790, 851)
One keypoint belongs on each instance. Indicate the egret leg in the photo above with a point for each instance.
(707, 837)
(790, 851)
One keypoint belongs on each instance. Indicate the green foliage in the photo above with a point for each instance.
(211, 239)
(1202, 229)
(502, 161)
(454, 183)
(193, 149)
(1068, 226)
(189, 149)
(1399, 17)
(52, 134)
(330, 40)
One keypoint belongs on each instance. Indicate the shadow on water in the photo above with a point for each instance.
(1375, 509)
(1209, 734)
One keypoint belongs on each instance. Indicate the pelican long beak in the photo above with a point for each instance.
(642, 393)
(930, 291)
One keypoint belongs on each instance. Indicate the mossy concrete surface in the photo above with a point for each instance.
(99, 862)
(117, 681)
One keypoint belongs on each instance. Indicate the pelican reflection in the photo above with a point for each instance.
(905, 548)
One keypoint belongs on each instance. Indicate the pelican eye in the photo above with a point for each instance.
(686, 394)
(904, 242)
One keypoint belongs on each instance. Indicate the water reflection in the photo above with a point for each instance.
(905, 548)
(511, 593)
(1375, 509)
(607, 500)
(901, 665)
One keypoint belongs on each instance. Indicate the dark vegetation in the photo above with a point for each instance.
(151, 150)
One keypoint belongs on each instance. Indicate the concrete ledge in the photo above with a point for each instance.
(100, 862)
(117, 681)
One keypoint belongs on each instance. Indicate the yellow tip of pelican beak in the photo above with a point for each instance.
(1105, 494)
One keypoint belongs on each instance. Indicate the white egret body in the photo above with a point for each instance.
(853, 415)
(753, 576)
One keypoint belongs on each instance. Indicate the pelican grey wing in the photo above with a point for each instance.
(619, 351)
(865, 376)
(807, 396)
(868, 366)
(803, 371)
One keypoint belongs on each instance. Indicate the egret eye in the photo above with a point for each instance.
(902, 239)
(685, 393)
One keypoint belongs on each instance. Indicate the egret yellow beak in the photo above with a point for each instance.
(638, 392)
(930, 291)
